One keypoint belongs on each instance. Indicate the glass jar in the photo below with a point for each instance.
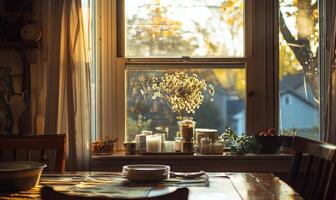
(187, 129)
(187, 147)
(130, 148)
(206, 146)
(178, 144)
(169, 146)
(140, 141)
(218, 147)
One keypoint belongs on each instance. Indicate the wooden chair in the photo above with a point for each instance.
(47, 193)
(312, 172)
(40, 143)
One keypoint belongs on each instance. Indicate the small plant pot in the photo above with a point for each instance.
(286, 141)
(269, 144)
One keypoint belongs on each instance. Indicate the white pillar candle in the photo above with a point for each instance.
(163, 137)
(169, 146)
(163, 140)
(153, 143)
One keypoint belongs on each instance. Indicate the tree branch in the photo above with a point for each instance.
(303, 54)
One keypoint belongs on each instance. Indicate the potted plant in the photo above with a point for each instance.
(240, 145)
(269, 140)
(287, 137)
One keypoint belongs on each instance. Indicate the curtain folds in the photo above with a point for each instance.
(331, 62)
(68, 92)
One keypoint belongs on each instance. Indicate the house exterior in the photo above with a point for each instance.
(297, 112)
(298, 108)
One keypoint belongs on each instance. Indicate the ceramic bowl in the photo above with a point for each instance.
(19, 175)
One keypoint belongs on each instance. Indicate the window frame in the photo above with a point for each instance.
(260, 65)
(322, 62)
(123, 62)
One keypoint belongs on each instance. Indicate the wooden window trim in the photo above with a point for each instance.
(260, 65)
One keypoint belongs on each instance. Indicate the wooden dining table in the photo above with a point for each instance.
(212, 186)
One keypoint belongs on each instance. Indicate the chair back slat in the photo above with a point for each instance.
(295, 168)
(14, 155)
(307, 173)
(317, 177)
(312, 169)
(331, 193)
(42, 155)
(60, 160)
(323, 186)
(36, 142)
(28, 154)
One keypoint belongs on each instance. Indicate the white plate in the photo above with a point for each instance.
(146, 172)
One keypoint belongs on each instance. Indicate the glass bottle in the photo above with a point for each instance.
(206, 146)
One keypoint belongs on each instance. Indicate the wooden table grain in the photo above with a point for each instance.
(221, 186)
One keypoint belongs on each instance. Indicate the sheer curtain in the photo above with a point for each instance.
(68, 81)
(331, 62)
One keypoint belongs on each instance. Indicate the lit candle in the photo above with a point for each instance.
(153, 143)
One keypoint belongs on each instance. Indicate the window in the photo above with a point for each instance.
(174, 28)
(299, 67)
(226, 108)
(161, 31)
(89, 13)
(230, 45)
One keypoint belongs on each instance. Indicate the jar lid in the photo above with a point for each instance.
(205, 130)
(147, 132)
(188, 121)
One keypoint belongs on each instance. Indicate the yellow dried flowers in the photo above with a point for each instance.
(182, 92)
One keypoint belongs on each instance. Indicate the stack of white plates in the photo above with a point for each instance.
(146, 172)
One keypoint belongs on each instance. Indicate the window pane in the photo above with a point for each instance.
(299, 67)
(88, 7)
(175, 28)
(225, 108)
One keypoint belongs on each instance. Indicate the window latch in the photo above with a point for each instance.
(250, 94)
